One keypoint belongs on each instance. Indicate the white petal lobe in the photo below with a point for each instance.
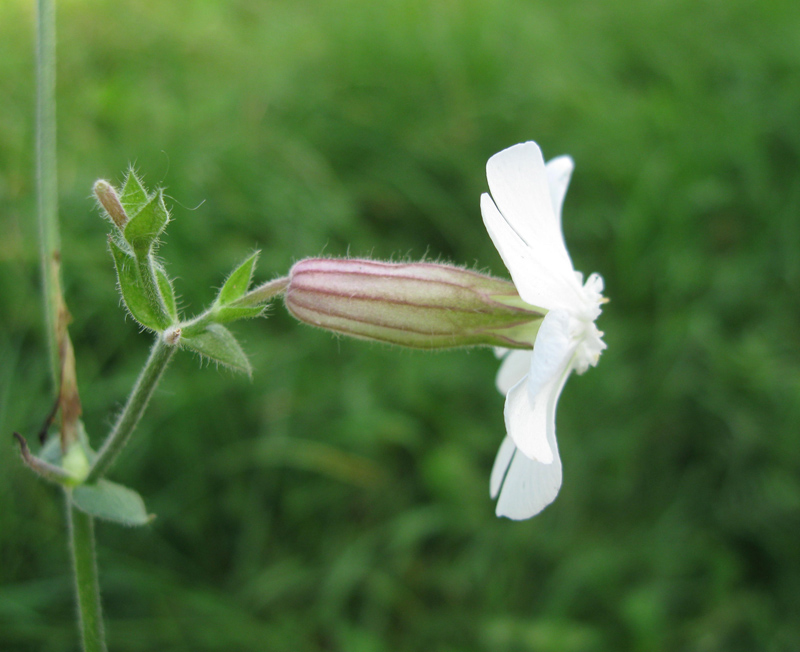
(501, 463)
(519, 185)
(552, 351)
(537, 282)
(528, 486)
(527, 422)
(514, 368)
(559, 172)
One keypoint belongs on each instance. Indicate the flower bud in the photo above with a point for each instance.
(109, 200)
(420, 305)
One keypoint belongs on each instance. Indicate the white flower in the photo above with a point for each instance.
(523, 217)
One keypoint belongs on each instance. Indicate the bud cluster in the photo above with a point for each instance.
(139, 219)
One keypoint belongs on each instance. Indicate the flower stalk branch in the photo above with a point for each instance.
(160, 355)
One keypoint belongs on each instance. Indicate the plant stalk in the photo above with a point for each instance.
(46, 176)
(160, 355)
(62, 361)
(87, 587)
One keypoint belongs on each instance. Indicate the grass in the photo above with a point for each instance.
(339, 500)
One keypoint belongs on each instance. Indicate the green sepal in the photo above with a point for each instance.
(217, 343)
(136, 300)
(112, 502)
(238, 282)
(167, 292)
(133, 195)
(68, 469)
(227, 314)
(51, 451)
(143, 229)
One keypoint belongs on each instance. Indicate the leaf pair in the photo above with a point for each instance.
(103, 499)
(209, 337)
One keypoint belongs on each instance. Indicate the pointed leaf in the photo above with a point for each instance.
(143, 229)
(238, 281)
(112, 502)
(136, 300)
(133, 195)
(167, 292)
(218, 344)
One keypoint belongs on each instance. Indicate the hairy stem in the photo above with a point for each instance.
(264, 293)
(160, 355)
(87, 588)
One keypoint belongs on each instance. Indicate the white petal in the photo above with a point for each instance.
(528, 422)
(530, 410)
(552, 351)
(559, 171)
(526, 231)
(520, 187)
(539, 282)
(528, 486)
(513, 369)
(501, 462)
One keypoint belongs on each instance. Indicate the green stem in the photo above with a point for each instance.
(87, 588)
(46, 175)
(160, 355)
(263, 293)
(256, 297)
(81, 526)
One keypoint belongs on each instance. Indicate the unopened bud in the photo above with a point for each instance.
(420, 305)
(109, 200)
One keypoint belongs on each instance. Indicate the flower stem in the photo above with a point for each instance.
(87, 588)
(264, 293)
(160, 355)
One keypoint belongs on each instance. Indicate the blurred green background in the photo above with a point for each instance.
(339, 500)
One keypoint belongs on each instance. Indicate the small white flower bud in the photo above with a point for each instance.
(109, 200)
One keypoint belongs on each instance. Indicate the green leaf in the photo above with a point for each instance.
(112, 502)
(238, 281)
(167, 292)
(133, 195)
(217, 343)
(136, 300)
(143, 229)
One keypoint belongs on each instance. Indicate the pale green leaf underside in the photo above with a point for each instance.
(218, 344)
(112, 502)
